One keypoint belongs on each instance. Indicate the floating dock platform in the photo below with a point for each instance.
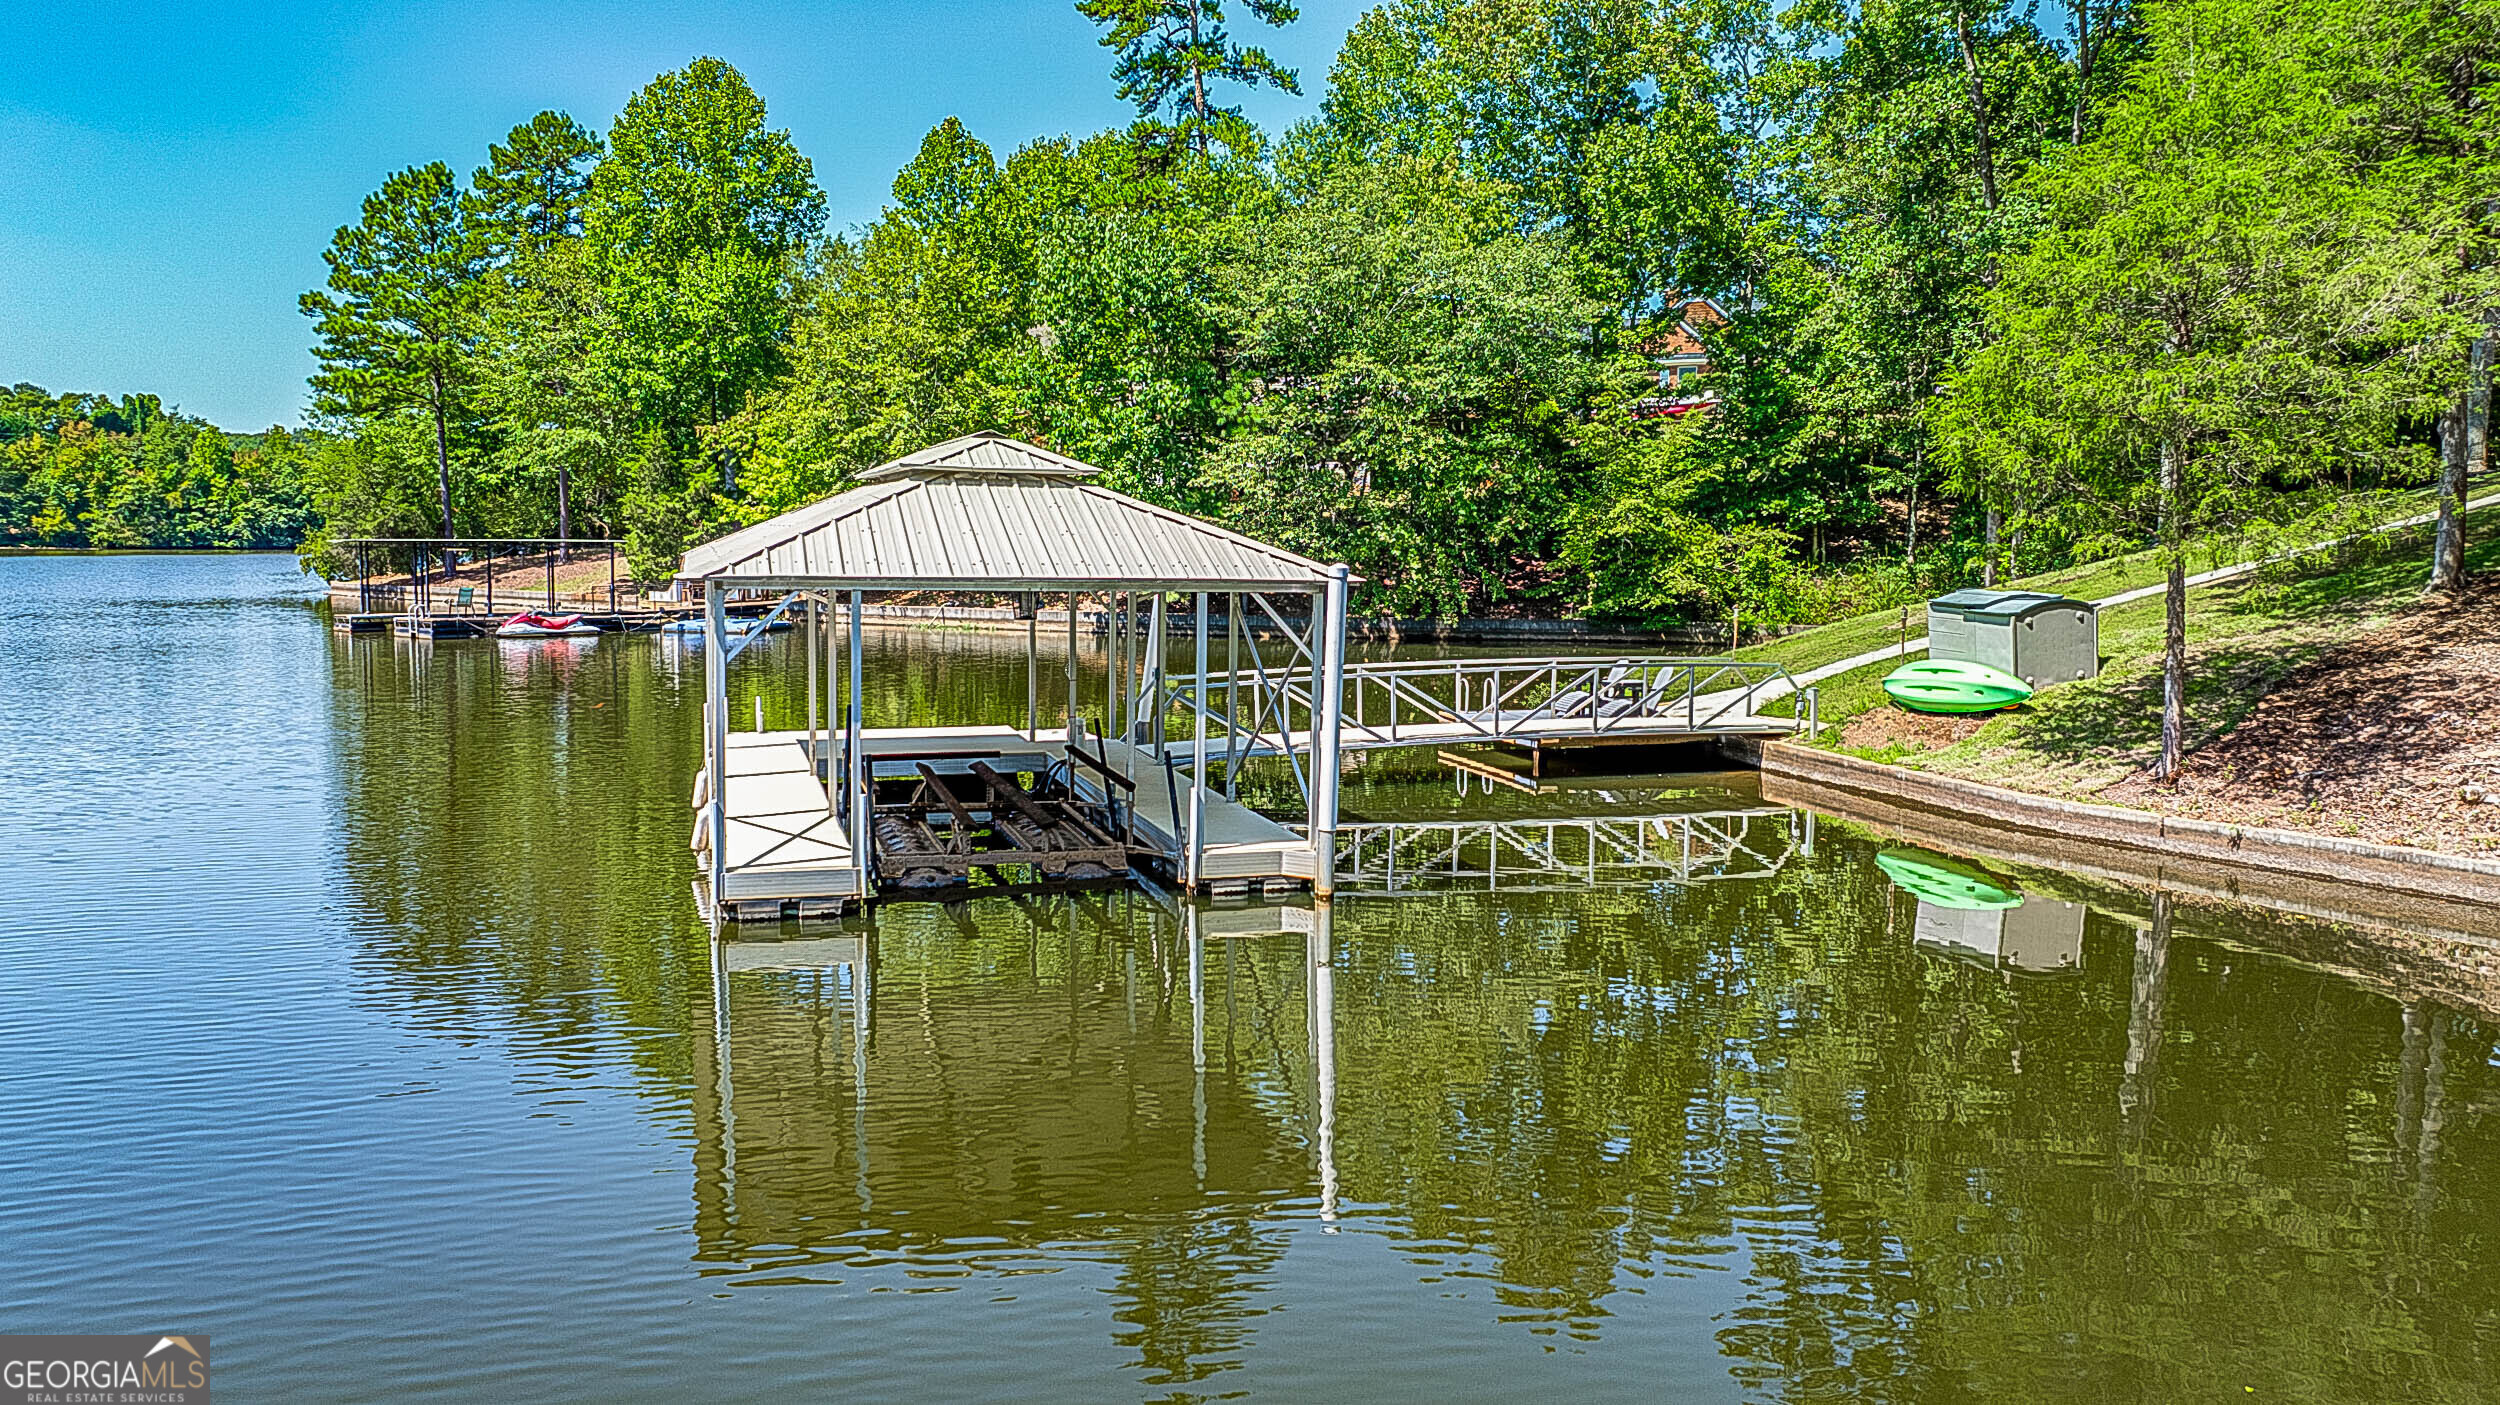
(790, 856)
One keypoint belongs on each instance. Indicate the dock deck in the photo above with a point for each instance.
(787, 852)
(784, 843)
(1241, 843)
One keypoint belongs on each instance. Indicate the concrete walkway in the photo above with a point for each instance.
(1918, 645)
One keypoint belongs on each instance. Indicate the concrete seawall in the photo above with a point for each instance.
(2288, 870)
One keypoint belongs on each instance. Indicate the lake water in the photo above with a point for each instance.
(354, 1012)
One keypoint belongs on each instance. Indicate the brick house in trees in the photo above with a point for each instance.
(1676, 349)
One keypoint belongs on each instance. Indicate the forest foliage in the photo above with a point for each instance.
(1991, 286)
(96, 472)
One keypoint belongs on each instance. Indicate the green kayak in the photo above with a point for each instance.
(1947, 685)
(1944, 882)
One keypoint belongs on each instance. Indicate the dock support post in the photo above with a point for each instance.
(1150, 679)
(815, 623)
(1232, 695)
(716, 736)
(1319, 954)
(1195, 873)
(1324, 726)
(854, 765)
(1070, 727)
(1115, 663)
(830, 765)
(1032, 665)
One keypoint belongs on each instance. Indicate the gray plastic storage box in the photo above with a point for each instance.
(2040, 639)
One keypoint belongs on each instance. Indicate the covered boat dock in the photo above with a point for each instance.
(807, 823)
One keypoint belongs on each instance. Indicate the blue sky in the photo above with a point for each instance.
(169, 174)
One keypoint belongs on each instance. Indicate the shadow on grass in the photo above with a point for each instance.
(2120, 720)
(2359, 578)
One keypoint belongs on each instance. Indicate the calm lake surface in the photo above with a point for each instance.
(354, 1012)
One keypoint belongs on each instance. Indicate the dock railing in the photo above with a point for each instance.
(485, 577)
(1566, 853)
(1422, 702)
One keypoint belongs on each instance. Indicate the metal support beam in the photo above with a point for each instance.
(1193, 873)
(1150, 679)
(852, 766)
(1232, 695)
(828, 763)
(716, 737)
(1330, 702)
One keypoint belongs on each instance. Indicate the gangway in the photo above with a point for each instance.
(1534, 703)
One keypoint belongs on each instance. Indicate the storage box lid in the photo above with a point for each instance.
(1983, 604)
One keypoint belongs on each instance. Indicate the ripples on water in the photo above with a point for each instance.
(352, 1011)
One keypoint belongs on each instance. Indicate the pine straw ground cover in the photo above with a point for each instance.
(2343, 703)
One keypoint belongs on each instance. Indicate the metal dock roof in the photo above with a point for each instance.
(989, 512)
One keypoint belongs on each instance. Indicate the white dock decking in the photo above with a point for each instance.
(1241, 843)
(786, 846)
(784, 843)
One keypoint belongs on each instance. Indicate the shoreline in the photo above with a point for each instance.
(1178, 624)
(2345, 880)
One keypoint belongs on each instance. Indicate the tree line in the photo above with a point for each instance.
(92, 471)
(1991, 287)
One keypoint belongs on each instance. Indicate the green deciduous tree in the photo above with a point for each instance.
(88, 471)
(696, 224)
(1413, 367)
(2220, 308)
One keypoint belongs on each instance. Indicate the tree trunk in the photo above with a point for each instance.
(1910, 548)
(2464, 441)
(2174, 609)
(2084, 50)
(442, 456)
(564, 505)
(1988, 559)
(1197, 81)
(1978, 109)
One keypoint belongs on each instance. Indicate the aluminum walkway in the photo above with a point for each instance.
(1525, 702)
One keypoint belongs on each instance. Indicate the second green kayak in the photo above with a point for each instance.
(1950, 685)
(1933, 878)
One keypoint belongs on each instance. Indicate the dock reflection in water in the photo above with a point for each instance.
(374, 968)
(1067, 1060)
(1613, 1082)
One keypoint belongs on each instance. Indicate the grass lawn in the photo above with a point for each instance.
(1829, 643)
(2078, 739)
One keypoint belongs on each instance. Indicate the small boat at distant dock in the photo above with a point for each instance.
(532, 625)
(1953, 685)
(736, 627)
